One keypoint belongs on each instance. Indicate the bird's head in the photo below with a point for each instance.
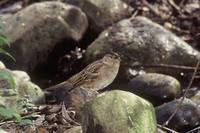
(112, 59)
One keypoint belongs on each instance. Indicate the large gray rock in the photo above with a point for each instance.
(34, 31)
(155, 87)
(102, 13)
(186, 118)
(118, 112)
(140, 41)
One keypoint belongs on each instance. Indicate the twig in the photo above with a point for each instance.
(151, 7)
(169, 66)
(184, 95)
(195, 129)
(7, 122)
(66, 116)
(197, 77)
(173, 4)
(14, 121)
(166, 129)
(182, 3)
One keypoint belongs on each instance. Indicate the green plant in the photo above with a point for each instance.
(6, 76)
(4, 42)
(9, 113)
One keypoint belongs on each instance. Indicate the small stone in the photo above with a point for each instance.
(22, 75)
(157, 88)
(2, 66)
(196, 97)
(76, 129)
(187, 117)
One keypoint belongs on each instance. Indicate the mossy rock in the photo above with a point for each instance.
(118, 111)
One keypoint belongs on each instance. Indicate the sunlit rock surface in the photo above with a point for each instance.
(118, 112)
(139, 41)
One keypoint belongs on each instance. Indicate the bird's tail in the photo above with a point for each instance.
(57, 92)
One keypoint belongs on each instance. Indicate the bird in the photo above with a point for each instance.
(84, 86)
(94, 77)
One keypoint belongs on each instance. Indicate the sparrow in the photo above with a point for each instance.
(84, 86)
(94, 77)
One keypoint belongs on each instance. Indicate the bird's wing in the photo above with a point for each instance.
(89, 73)
(63, 85)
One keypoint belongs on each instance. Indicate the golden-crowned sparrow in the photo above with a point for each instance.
(93, 77)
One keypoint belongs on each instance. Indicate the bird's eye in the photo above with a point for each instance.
(110, 57)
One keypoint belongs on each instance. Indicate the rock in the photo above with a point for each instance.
(76, 129)
(139, 41)
(161, 131)
(154, 87)
(3, 131)
(26, 88)
(12, 8)
(17, 92)
(2, 66)
(103, 13)
(21, 75)
(78, 97)
(118, 112)
(196, 97)
(187, 117)
(34, 31)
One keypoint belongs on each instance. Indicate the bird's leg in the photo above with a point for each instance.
(66, 116)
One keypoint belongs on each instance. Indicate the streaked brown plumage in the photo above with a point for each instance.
(93, 77)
